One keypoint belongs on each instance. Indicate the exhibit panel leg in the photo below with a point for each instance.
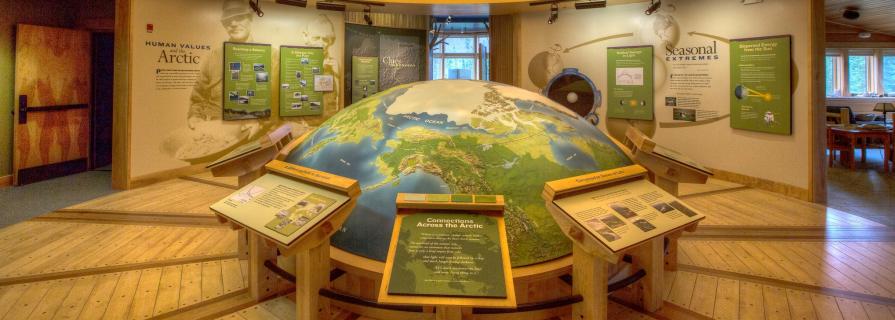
(262, 282)
(448, 313)
(589, 279)
(671, 257)
(668, 185)
(649, 257)
(311, 275)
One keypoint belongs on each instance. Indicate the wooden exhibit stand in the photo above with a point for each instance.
(247, 163)
(310, 247)
(449, 307)
(667, 168)
(591, 254)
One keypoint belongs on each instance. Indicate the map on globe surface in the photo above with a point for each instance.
(462, 137)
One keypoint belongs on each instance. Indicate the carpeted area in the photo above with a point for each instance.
(22, 203)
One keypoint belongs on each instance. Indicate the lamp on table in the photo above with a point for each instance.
(884, 107)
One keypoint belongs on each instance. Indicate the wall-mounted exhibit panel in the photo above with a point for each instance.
(401, 54)
(299, 93)
(246, 81)
(630, 91)
(760, 75)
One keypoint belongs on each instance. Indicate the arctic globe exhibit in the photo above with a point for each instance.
(457, 136)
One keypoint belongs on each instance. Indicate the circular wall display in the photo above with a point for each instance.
(577, 92)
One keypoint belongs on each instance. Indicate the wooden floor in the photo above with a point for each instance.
(132, 255)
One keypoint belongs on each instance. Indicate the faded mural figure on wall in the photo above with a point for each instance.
(207, 136)
(322, 33)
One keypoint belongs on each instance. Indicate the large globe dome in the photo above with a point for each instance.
(457, 136)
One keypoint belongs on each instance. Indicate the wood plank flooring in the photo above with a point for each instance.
(133, 255)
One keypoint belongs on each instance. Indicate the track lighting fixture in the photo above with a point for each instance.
(256, 6)
(554, 13)
(367, 17)
(297, 3)
(449, 19)
(653, 7)
(590, 4)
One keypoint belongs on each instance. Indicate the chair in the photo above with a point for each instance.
(843, 146)
(836, 109)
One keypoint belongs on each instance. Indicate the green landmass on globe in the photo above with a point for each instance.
(457, 136)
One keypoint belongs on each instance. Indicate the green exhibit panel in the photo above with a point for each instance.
(630, 82)
(760, 84)
(246, 81)
(298, 94)
(366, 77)
(448, 254)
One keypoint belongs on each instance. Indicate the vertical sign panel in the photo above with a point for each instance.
(366, 77)
(246, 81)
(760, 87)
(630, 73)
(298, 95)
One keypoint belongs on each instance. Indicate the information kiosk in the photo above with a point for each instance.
(248, 160)
(450, 252)
(609, 214)
(668, 167)
(295, 210)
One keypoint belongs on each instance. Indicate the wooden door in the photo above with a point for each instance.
(51, 135)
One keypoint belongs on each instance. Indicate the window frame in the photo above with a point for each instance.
(477, 56)
(875, 73)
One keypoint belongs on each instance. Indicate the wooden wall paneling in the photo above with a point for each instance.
(876, 15)
(503, 49)
(391, 20)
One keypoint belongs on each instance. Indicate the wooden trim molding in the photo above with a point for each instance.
(121, 106)
(763, 184)
(6, 181)
(155, 177)
(817, 169)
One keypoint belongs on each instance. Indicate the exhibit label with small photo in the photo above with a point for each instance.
(305, 63)
(626, 214)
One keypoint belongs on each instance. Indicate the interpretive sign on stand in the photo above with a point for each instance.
(282, 206)
(626, 212)
(448, 250)
(669, 167)
(609, 214)
(297, 209)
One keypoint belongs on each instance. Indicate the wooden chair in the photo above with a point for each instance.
(843, 146)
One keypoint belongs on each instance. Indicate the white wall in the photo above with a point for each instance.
(779, 158)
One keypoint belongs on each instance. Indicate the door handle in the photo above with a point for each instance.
(23, 109)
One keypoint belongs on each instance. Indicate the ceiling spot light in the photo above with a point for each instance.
(554, 13)
(851, 14)
(256, 6)
(653, 7)
(367, 17)
(590, 5)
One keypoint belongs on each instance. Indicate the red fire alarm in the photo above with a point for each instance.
(149, 28)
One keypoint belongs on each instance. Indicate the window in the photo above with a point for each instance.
(461, 52)
(833, 75)
(860, 75)
(888, 75)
